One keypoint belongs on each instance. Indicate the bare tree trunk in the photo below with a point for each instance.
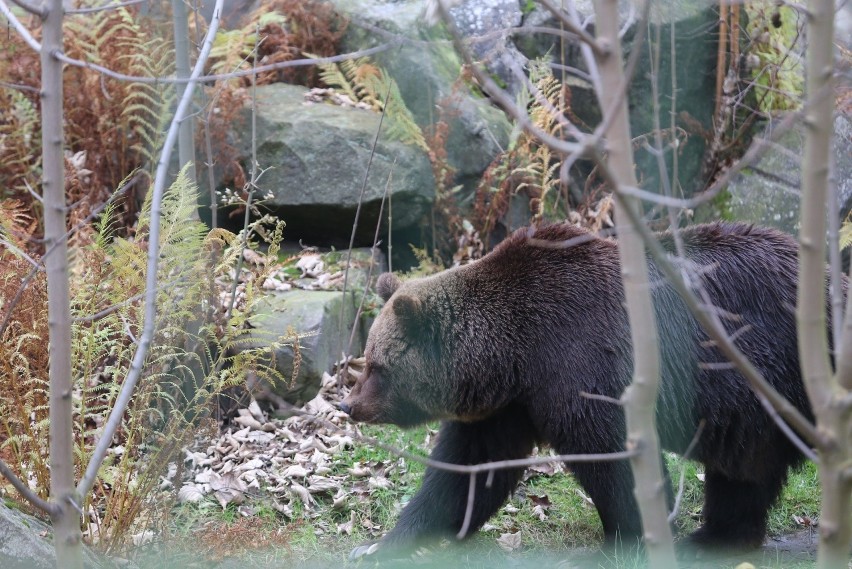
(66, 519)
(641, 397)
(831, 401)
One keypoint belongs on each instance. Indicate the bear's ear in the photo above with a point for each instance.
(386, 285)
(409, 311)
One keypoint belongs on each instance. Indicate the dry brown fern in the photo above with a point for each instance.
(111, 127)
(23, 371)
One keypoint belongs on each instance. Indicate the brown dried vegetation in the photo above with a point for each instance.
(111, 127)
(23, 371)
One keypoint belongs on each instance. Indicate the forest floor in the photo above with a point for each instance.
(303, 492)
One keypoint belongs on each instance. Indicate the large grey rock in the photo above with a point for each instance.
(315, 158)
(25, 543)
(427, 70)
(768, 193)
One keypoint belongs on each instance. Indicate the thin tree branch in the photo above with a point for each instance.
(686, 455)
(354, 230)
(583, 35)
(108, 6)
(25, 491)
(32, 9)
(19, 27)
(129, 384)
(357, 319)
(810, 305)
(250, 188)
(790, 433)
(38, 267)
(220, 76)
(601, 397)
(18, 86)
(468, 511)
(754, 153)
(640, 397)
(36, 46)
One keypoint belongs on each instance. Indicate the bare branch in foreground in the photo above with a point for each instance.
(34, 10)
(640, 397)
(829, 393)
(686, 454)
(501, 98)
(486, 467)
(223, 76)
(468, 512)
(129, 383)
(19, 27)
(24, 490)
(578, 30)
(104, 7)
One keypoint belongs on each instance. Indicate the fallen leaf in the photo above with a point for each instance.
(348, 526)
(509, 541)
(190, 493)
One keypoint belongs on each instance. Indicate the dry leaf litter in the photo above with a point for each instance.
(300, 459)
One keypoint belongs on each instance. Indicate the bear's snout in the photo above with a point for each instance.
(344, 406)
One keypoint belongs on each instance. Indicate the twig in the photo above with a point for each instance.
(355, 229)
(26, 492)
(217, 77)
(251, 186)
(754, 153)
(34, 10)
(467, 468)
(19, 27)
(113, 6)
(110, 309)
(468, 511)
(659, 154)
(39, 267)
(601, 397)
(785, 428)
(686, 454)
(360, 310)
(576, 29)
(18, 86)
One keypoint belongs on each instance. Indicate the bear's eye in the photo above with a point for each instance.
(375, 373)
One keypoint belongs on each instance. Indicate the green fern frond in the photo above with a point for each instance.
(845, 234)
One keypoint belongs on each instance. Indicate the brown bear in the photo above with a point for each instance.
(501, 349)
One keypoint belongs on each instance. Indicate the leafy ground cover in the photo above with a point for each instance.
(302, 492)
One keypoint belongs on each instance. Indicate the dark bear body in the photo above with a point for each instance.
(501, 349)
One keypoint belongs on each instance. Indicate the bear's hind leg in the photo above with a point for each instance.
(438, 508)
(610, 486)
(735, 511)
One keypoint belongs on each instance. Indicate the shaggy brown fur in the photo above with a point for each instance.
(501, 349)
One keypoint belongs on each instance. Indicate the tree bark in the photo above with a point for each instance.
(831, 401)
(65, 518)
(641, 397)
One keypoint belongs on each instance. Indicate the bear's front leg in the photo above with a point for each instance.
(437, 510)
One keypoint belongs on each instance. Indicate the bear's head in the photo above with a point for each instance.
(402, 381)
